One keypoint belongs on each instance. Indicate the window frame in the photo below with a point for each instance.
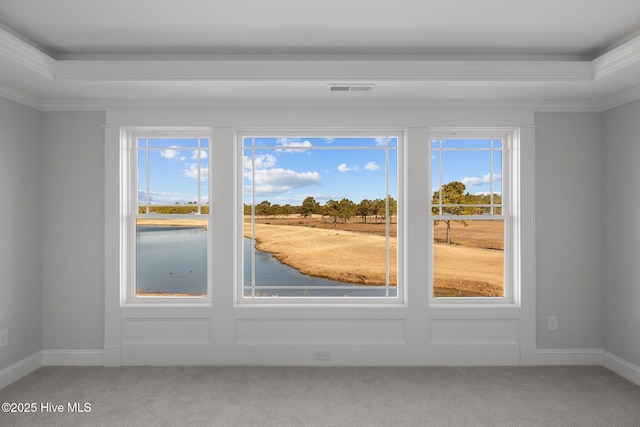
(131, 204)
(510, 214)
(400, 300)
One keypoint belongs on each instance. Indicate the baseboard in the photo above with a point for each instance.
(595, 357)
(73, 358)
(569, 357)
(621, 367)
(20, 369)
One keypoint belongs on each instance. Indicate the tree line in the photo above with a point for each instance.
(339, 210)
(453, 193)
(176, 209)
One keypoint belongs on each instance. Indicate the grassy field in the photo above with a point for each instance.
(473, 264)
(354, 252)
(346, 256)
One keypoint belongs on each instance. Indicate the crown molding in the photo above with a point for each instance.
(617, 59)
(309, 68)
(71, 105)
(28, 56)
(20, 97)
(621, 99)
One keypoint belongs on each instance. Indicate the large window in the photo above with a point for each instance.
(471, 217)
(169, 212)
(321, 217)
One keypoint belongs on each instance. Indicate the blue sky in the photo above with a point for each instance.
(287, 170)
(173, 171)
(471, 167)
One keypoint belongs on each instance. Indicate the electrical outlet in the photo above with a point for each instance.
(4, 337)
(322, 355)
(553, 323)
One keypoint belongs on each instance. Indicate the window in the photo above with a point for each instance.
(471, 217)
(321, 217)
(170, 216)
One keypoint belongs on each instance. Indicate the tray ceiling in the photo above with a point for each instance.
(573, 54)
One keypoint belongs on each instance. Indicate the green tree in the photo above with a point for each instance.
(332, 209)
(379, 208)
(364, 209)
(263, 208)
(288, 210)
(393, 207)
(309, 207)
(346, 209)
(453, 196)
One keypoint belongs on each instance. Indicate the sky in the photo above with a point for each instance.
(288, 170)
(472, 165)
(173, 171)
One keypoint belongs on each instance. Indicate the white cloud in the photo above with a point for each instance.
(474, 180)
(171, 154)
(262, 161)
(203, 154)
(277, 180)
(381, 142)
(344, 168)
(372, 166)
(293, 145)
(192, 172)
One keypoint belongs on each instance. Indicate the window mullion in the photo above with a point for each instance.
(454, 276)
(146, 171)
(199, 154)
(264, 150)
(152, 277)
(388, 201)
(253, 215)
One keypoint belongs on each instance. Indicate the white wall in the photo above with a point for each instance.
(569, 216)
(20, 279)
(621, 200)
(73, 230)
(569, 250)
(415, 334)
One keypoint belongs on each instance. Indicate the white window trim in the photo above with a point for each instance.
(128, 200)
(400, 301)
(511, 216)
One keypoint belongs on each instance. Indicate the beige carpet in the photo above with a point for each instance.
(314, 397)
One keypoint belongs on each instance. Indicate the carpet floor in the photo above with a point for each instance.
(322, 397)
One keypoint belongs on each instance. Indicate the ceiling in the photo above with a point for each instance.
(545, 54)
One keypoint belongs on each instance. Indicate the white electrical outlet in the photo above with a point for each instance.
(4, 337)
(553, 323)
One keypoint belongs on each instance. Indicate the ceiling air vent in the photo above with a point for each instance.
(351, 88)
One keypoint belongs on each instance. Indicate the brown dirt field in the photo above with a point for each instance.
(317, 221)
(476, 234)
(463, 271)
(354, 252)
(333, 254)
(465, 268)
(473, 265)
